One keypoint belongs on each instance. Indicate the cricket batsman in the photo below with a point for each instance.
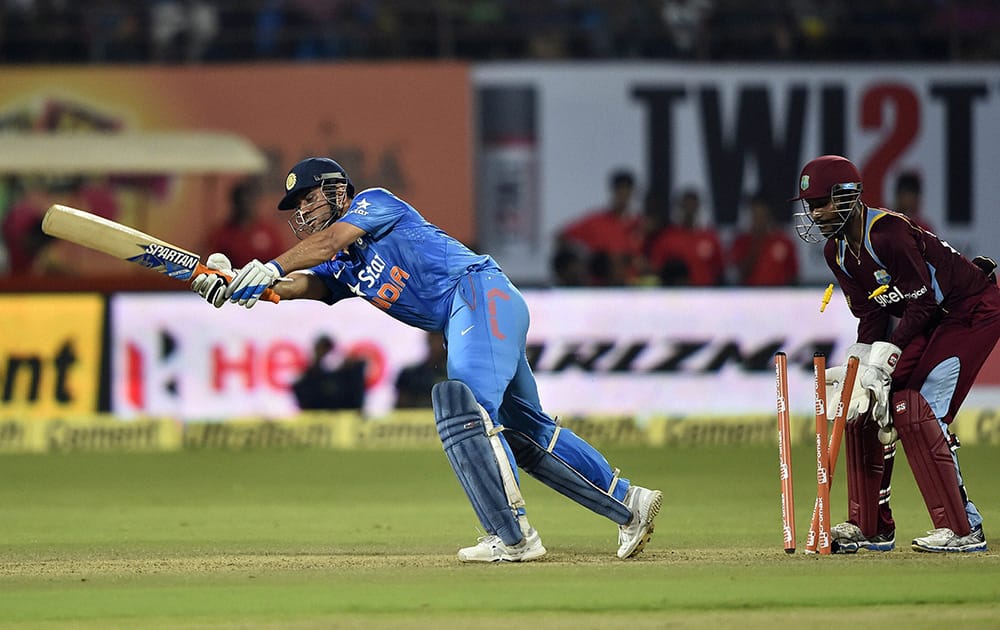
(928, 318)
(375, 246)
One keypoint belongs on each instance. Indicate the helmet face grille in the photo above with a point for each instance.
(320, 214)
(845, 199)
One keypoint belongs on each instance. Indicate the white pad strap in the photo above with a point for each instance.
(512, 490)
(555, 436)
(614, 481)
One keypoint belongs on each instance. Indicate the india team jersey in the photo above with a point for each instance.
(404, 265)
(901, 271)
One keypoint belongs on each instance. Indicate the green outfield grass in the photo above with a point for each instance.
(319, 539)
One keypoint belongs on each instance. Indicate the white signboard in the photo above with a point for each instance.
(174, 354)
(681, 352)
(649, 352)
(731, 130)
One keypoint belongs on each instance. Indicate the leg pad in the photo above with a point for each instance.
(545, 465)
(865, 467)
(468, 437)
(930, 458)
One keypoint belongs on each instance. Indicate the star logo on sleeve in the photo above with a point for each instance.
(356, 289)
(363, 204)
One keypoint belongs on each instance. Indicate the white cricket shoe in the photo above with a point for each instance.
(493, 549)
(633, 536)
(943, 540)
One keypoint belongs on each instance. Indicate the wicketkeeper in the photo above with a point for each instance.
(377, 247)
(927, 320)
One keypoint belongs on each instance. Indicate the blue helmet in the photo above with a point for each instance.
(312, 172)
(335, 185)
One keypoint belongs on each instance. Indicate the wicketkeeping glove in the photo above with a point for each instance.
(876, 377)
(251, 280)
(835, 385)
(212, 286)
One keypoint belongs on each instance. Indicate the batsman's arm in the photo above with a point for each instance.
(256, 276)
(301, 285)
(319, 247)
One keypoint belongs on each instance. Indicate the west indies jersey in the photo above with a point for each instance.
(404, 265)
(925, 278)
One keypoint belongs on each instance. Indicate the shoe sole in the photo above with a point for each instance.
(851, 547)
(963, 549)
(654, 509)
(526, 557)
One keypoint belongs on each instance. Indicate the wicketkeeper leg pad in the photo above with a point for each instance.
(479, 458)
(931, 461)
(544, 464)
(865, 466)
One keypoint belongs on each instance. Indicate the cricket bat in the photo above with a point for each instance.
(121, 241)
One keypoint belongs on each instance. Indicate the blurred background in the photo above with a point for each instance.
(627, 163)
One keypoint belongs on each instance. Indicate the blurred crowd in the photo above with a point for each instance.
(189, 31)
(674, 242)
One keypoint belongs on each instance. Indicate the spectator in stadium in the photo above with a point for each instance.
(609, 238)
(377, 247)
(414, 382)
(688, 245)
(325, 384)
(915, 373)
(685, 22)
(569, 269)
(763, 255)
(21, 227)
(909, 190)
(182, 30)
(245, 235)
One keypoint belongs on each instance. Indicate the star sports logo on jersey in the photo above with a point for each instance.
(361, 208)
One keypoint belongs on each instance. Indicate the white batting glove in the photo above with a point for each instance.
(835, 385)
(212, 286)
(876, 377)
(251, 280)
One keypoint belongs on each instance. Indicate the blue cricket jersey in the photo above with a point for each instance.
(404, 265)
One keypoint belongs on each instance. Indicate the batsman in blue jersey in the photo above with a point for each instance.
(375, 246)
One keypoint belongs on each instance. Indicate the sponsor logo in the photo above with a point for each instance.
(175, 263)
(372, 271)
(670, 355)
(894, 295)
(900, 407)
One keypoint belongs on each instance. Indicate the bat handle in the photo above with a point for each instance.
(268, 294)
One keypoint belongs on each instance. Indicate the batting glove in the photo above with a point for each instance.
(876, 377)
(212, 286)
(251, 280)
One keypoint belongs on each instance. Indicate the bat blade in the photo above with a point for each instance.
(127, 243)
